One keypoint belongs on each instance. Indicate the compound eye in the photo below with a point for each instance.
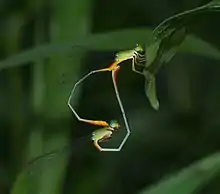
(114, 124)
(138, 47)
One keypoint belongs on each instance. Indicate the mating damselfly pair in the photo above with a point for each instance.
(106, 129)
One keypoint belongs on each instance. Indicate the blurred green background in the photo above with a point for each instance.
(54, 39)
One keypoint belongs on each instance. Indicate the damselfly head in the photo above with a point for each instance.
(139, 48)
(114, 124)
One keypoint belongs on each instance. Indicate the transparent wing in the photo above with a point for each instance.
(46, 173)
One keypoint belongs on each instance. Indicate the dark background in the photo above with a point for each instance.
(35, 118)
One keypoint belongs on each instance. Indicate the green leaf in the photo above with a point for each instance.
(189, 179)
(199, 47)
(171, 33)
(20, 185)
(150, 89)
(168, 37)
(111, 41)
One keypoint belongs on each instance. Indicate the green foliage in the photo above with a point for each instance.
(49, 98)
(190, 179)
(110, 41)
(166, 39)
(20, 186)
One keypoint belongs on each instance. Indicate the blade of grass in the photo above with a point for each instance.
(62, 28)
(112, 41)
(189, 179)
